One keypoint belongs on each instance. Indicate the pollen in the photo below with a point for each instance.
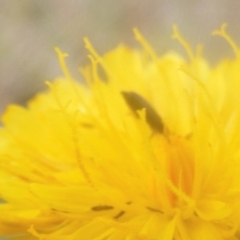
(148, 150)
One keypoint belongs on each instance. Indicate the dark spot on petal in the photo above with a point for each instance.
(119, 215)
(86, 125)
(102, 208)
(154, 210)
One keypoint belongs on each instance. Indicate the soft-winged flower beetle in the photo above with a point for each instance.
(137, 102)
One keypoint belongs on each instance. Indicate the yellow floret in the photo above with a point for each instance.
(148, 150)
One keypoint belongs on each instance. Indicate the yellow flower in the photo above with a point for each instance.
(148, 149)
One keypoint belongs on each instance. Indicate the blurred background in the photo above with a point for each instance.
(29, 30)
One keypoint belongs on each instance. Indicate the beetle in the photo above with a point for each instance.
(136, 102)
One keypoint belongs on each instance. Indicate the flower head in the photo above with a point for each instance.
(149, 150)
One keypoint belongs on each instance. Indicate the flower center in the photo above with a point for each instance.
(180, 172)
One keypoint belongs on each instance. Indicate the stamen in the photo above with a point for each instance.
(97, 57)
(179, 193)
(213, 113)
(94, 69)
(74, 136)
(144, 43)
(222, 32)
(61, 57)
(184, 43)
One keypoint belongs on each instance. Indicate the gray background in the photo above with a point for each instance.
(29, 29)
